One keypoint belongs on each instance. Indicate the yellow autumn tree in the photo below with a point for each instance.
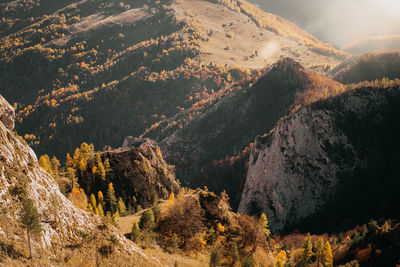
(327, 260)
(44, 162)
(100, 196)
(280, 259)
(100, 210)
(264, 225)
(171, 198)
(78, 198)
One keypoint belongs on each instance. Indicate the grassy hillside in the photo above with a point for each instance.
(368, 67)
(99, 71)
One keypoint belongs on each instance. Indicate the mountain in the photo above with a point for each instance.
(375, 43)
(332, 164)
(195, 139)
(338, 22)
(68, 234)
(368, 67)
(99, 71)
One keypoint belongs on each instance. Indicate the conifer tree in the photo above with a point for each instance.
(174, 244)
(93, 201)
(135, 231)
(121, 206)
(100, 210)
(281, 259)
(112, 200)
(215, 258)
(30, 219)
(318, 248)
(306, 254)
(264, 225)
(100, 196)
(156, 211)
(235, 253)
(73, 178)
(55, 165)
(107, 165)
(327, 260)
(385, 227)
(101, 170)
(147, 220)
(69, 163)
(44, 162)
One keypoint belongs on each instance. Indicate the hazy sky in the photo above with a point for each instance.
(339, 21)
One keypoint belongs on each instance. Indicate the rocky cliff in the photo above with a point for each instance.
(137, 169)
(194, 139)
(332, 163)
(69, 235)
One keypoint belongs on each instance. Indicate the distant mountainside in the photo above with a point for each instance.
(99, 71)
(62, 225)
(194, 139)
(376, 43)
(368, 67)
(332, 164)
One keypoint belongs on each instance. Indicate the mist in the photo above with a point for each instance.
(339, 22)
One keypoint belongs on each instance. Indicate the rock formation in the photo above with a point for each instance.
(328, 158)
(138, 170)
(63, 225)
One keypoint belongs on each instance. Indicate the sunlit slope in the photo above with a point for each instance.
(99, 71)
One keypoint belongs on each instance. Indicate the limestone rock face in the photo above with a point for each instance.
(138, 170)
(316, 156)
(7, 114)
(62, 223)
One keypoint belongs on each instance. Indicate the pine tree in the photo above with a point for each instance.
(100, 196)
(156, 211)
(93, 201)
(147, 220)
(318, 247)
(73, 178)
(112, 200)
(30, 219)
(121, 206)
(215, 258)
(44, 162)
(306, 254)
(327, 260)
(100, 210)
(135, 231)
(55, 165)
(101, 170)
(107, 165)
(281, 259)
(385, 227)
(235, 253)
(174, 244)
(264, 225)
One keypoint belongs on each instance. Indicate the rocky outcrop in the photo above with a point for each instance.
(138, 170)
(7, 114)
(328, 158)
(63, 225)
